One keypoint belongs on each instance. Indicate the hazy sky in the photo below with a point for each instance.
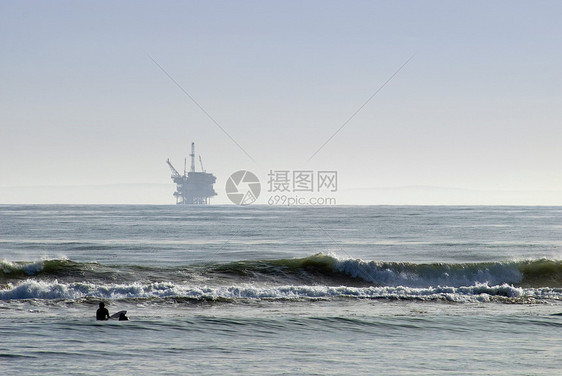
(474, 117)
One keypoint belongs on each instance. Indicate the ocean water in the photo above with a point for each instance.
(263, 290)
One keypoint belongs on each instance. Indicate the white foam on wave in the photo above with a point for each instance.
(425, 275)
(32, 289)
(30, 268)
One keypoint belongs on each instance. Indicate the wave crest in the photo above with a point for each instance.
(322, 268)
(22, 268)
(319, 269)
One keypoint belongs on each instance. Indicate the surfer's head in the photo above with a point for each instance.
(102, 304)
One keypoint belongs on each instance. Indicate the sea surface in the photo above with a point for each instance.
(267, 290)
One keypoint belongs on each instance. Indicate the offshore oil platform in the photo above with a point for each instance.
(193, 188)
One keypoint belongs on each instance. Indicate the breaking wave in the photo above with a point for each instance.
(318, 276)
(33, 289)
(531, 273)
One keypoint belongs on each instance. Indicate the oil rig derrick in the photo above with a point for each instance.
(193, 188)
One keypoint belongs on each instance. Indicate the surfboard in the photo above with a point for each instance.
(115, 316)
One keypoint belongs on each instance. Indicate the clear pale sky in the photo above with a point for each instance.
(474, 118)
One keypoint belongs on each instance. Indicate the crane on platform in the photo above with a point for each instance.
(175, 173)
(201, 162)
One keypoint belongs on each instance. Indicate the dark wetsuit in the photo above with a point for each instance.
(102, 314)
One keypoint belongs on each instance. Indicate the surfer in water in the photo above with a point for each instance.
(102, 313)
